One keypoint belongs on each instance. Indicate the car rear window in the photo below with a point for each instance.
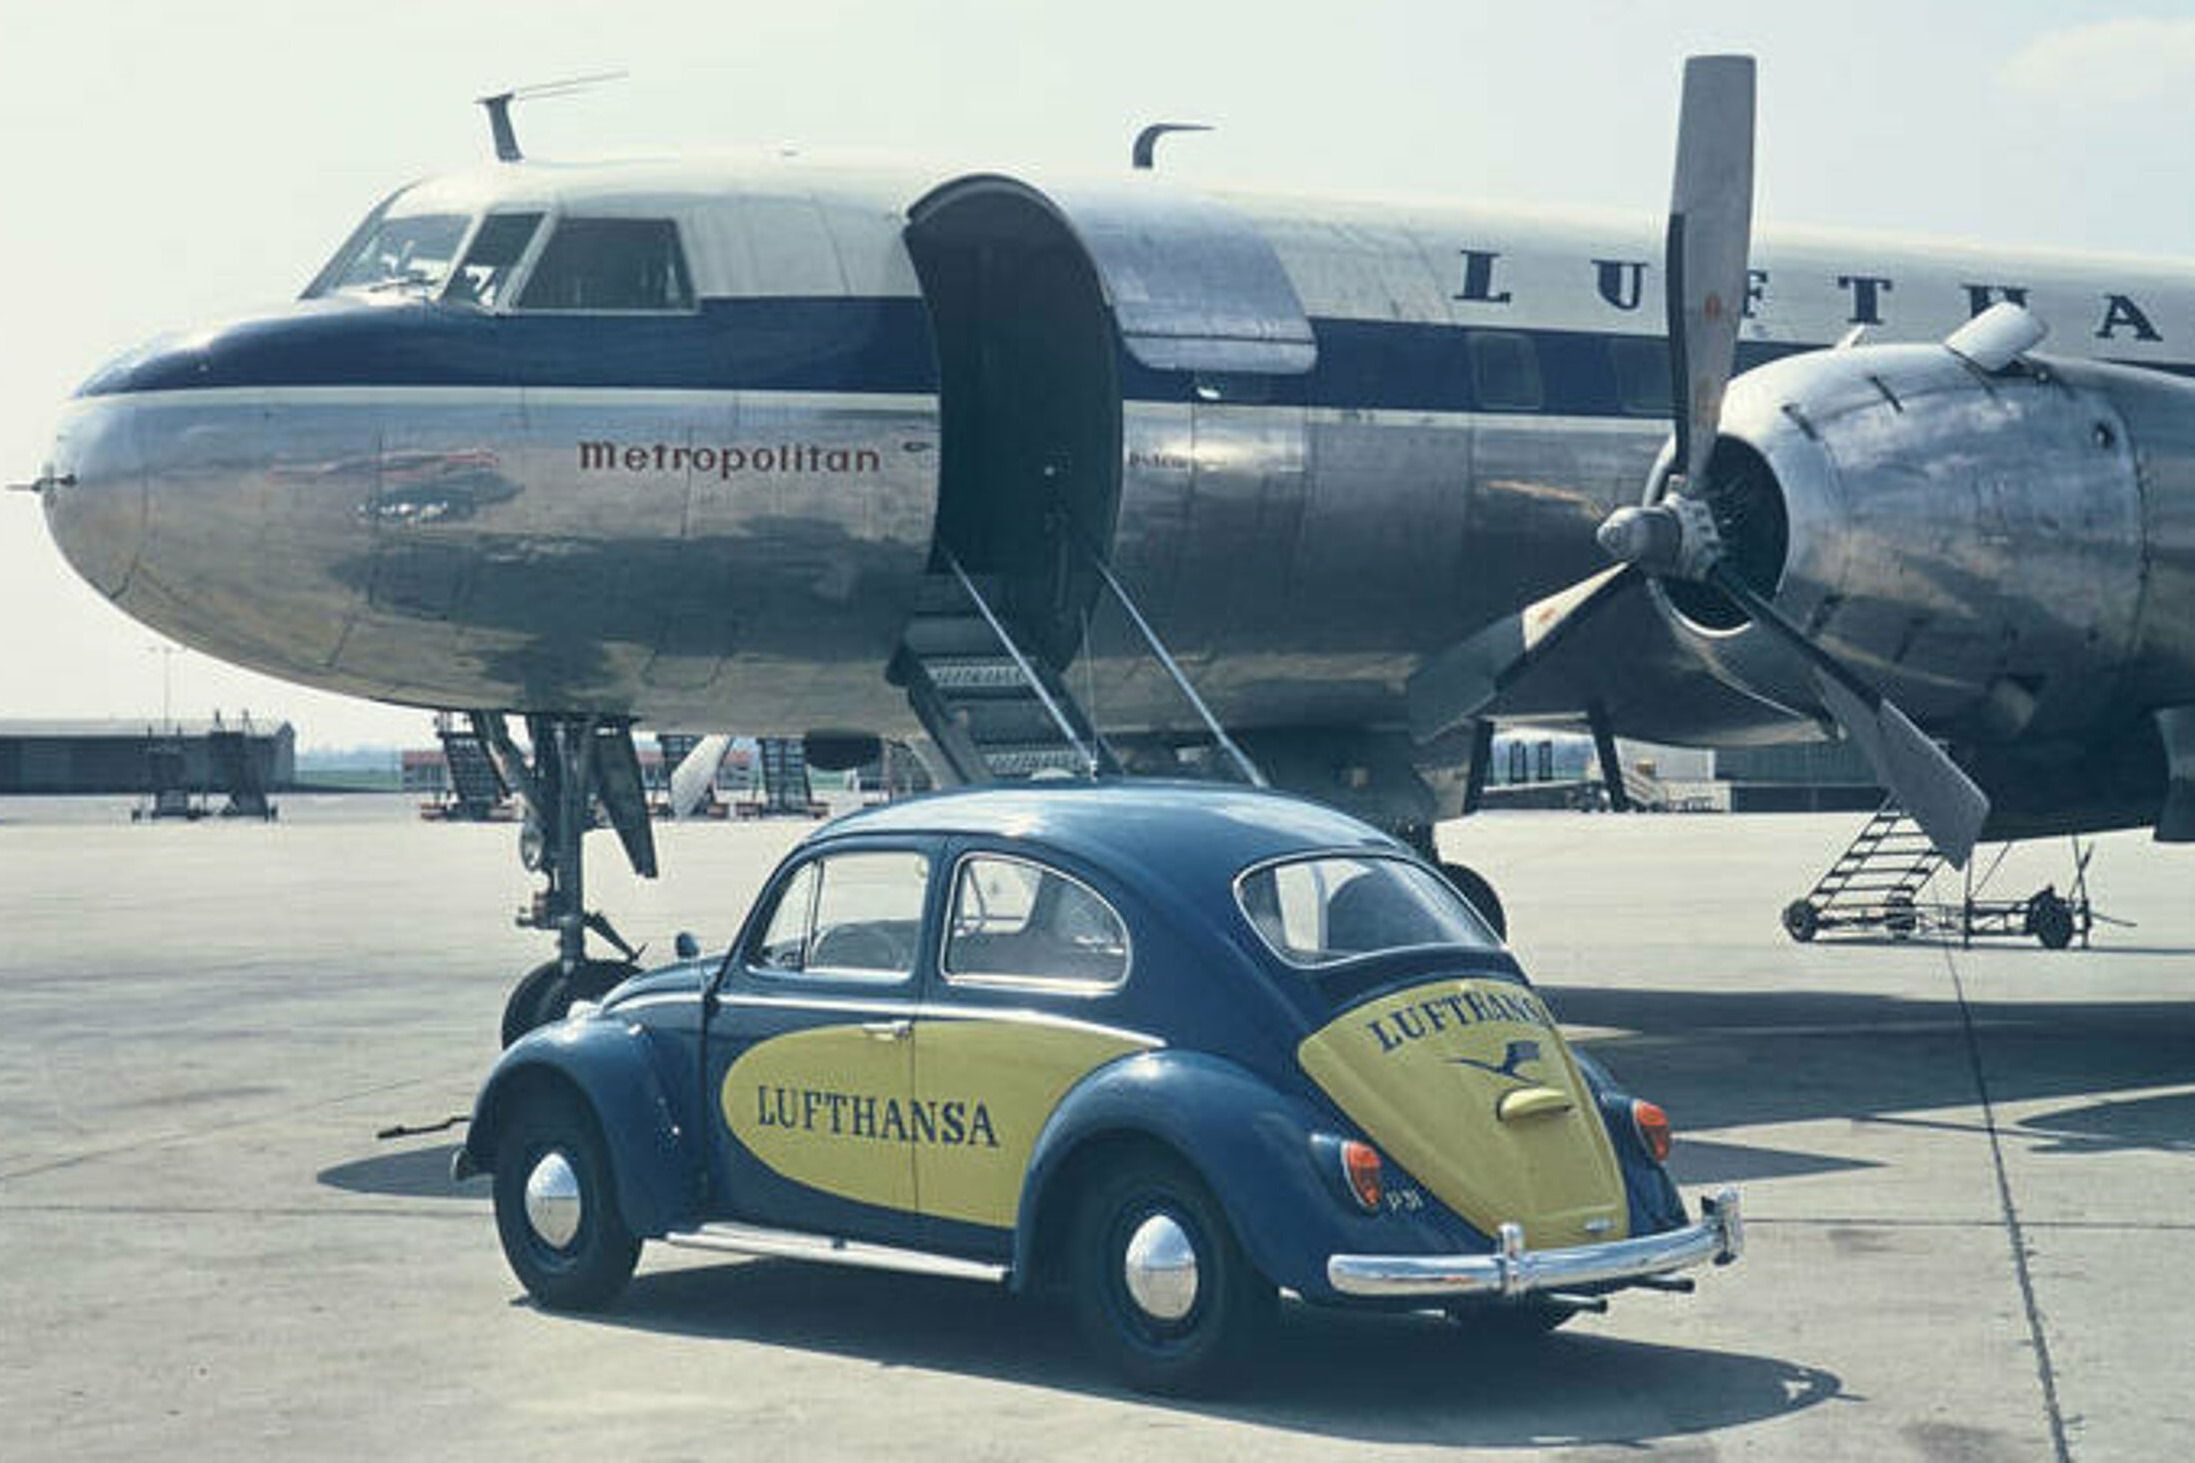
(1332, 907)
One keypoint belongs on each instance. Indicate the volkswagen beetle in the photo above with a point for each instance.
(1171, 1048)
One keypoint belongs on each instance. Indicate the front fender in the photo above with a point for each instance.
(1250, 1143)
(608, 1064)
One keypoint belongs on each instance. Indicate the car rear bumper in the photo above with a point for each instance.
(1513, 1270)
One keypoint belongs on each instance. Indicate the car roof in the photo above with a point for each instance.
(1172, 830)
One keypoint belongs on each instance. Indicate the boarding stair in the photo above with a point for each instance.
(239, 771)
(786, 790)
(1875, 883)
(477, 790)
(995, 706)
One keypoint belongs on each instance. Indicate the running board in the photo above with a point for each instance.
(787, 1244)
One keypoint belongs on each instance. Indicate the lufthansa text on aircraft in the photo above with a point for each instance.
(728, 461)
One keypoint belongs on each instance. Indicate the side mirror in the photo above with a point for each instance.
(686, 946)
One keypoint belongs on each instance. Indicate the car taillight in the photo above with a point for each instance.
(1360, 1165)
(1653, 1127)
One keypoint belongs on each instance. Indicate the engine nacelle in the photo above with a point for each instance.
(1976, 544)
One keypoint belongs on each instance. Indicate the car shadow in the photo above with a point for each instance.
(407, 1173)
(1359, 1377)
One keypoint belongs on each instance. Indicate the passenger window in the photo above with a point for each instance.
(1505, 370)
(1022, 924)
(1642, 374)
(496, 249)
(868, 914)
(610, 264)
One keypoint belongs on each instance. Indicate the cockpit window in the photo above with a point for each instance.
(395, 253)
(494, 254)
(1316, 911)
(610, 264)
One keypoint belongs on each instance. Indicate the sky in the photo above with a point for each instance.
(166, 165)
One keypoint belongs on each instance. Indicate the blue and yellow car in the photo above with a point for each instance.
(1172, 1048)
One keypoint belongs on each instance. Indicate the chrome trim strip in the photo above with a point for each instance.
(1513, 1270)
(787, 1244)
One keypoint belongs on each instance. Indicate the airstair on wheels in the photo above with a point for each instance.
(1875, 883)
(477, 790)
(995, 708)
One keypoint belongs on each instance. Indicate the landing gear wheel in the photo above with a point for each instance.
(1480, 894)
(1899, 916)
(556, 1206)
(2050, 920)
(1801, 920)
(1162, 1292)
(544, 995)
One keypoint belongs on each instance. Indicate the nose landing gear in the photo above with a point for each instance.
(579, 766)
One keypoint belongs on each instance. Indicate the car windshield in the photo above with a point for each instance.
(1332, 907)
(414, 251)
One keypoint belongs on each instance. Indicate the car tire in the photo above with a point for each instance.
(556, 1206)
(545, 993)
(1133, 1227)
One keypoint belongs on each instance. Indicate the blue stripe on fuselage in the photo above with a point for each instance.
(848, 344)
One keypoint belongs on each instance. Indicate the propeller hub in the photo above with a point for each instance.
(1675, 538)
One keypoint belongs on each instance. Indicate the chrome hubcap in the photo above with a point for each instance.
(1160, 1268)
(553, 1205)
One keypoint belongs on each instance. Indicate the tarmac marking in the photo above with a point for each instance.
(2046, 1372)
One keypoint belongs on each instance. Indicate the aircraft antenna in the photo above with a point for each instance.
(500, 130)
(1146, 148)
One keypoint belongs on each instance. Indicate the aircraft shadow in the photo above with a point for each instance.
(1735, 1059)
(1364, 1378)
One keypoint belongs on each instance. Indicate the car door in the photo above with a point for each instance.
(1031, 963)
(811, 1050)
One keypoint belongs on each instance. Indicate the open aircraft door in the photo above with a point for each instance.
(1050, 307)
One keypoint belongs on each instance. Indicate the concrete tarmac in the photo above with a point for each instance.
(1969, 1178)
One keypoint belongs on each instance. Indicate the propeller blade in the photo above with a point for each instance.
(1925, 781)
(1466, 678)
(1710, 235)
(696, 774)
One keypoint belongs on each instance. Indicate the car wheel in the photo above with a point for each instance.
(546, 993)
(1801, 920)
(1162, 1291)
(556, 1207)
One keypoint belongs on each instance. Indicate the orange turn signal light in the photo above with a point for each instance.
(1360, 1164)
(1653, 1126)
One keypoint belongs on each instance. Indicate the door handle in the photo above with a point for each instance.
(889, 1030)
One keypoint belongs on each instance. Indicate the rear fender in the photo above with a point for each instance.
(607, 1065)
(1248, 1142)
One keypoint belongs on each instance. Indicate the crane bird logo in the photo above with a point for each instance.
(1517, 1055)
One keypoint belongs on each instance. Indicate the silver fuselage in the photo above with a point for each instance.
(441, 505)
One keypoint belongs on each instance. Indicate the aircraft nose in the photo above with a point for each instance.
(94, 492)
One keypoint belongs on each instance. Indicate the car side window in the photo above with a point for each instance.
(1019, 923)
(857, 915)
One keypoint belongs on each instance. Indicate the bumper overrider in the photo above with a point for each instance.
(1513, 1271)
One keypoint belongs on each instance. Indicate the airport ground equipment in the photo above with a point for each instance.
(477, 791)
(1169, 1047)
(787, 792)
(1880, 884)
